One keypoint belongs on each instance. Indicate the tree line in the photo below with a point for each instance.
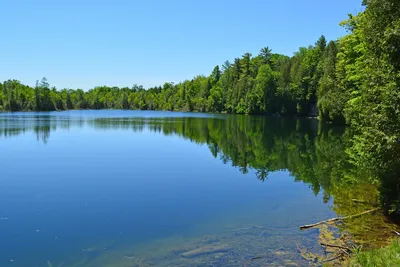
(264, 84)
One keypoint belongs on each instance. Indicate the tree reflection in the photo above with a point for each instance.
(313, 153)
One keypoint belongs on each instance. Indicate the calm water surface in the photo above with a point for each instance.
(139, 188)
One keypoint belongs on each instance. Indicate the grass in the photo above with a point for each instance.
(387, 256)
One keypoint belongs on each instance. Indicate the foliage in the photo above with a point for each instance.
(387, 256)
(369, 71)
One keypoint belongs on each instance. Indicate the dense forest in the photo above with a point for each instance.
(354, 80)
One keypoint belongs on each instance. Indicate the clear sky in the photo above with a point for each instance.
(85, 43)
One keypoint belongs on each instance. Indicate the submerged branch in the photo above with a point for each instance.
(334, 246)
(261, 227)
(334, 258)
(245, 228)
(337, 219)
(345, 252)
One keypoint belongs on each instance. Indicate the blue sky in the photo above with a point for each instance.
(85, 43)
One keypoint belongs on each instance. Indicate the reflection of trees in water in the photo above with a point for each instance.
(314, 154)
(42, 133)
(6, 133)
(41, 125)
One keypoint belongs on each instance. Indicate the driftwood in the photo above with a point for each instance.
(337, 219)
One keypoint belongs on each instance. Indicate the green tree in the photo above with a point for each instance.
(266, 55)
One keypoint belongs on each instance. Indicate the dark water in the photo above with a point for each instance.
(137, 188)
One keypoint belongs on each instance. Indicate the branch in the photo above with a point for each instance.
(344, 251)
(337, 219)
(318, 223)
(334, 246)
(246, 228)
(334, 258)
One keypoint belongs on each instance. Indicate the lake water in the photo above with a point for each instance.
(141, 188)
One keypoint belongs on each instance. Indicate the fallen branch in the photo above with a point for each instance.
(318, 223)
(262, 227)
(344, 251)
(337, 219)
(262, 233)
(334, 258)
(335, 246)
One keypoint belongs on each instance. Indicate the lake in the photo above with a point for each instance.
(145, 188)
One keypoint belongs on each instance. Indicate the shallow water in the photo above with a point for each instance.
(141, 188)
